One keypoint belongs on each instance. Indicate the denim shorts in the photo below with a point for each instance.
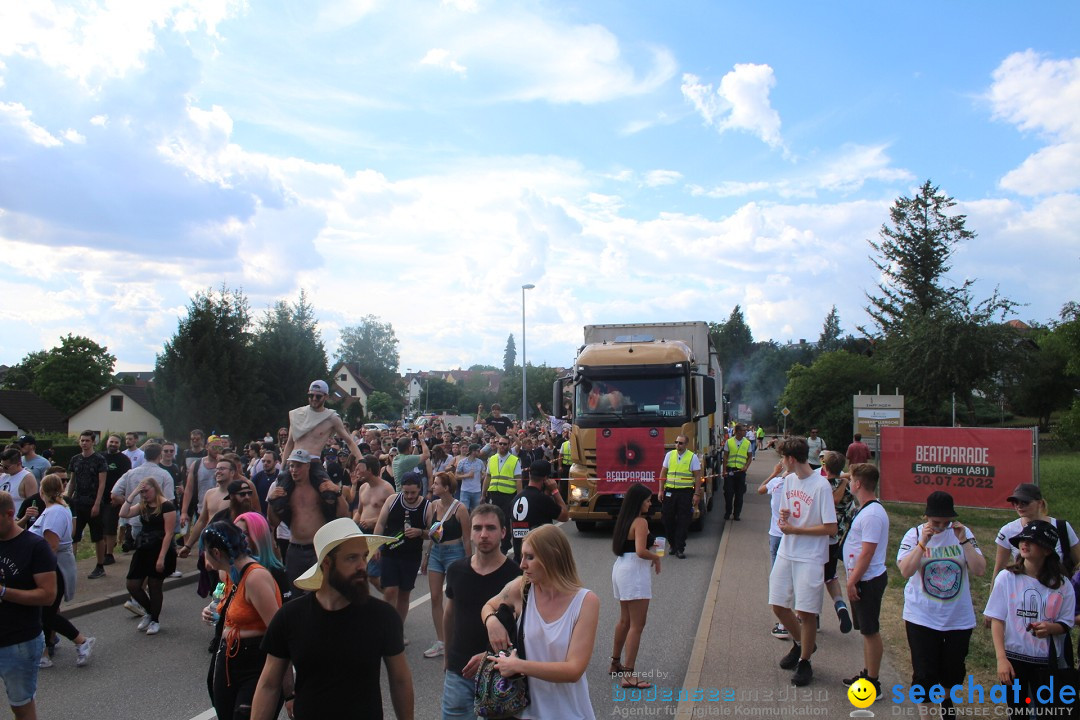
(19, 670)
(443, 556)
(458, 697)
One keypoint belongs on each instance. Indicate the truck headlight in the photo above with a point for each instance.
(579, 493)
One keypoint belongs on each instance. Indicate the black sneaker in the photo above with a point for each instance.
(851, 680)
(789, 661)
(803, 674)
(97, 572)
(845, 618)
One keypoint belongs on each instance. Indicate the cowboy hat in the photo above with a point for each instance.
(329, 537)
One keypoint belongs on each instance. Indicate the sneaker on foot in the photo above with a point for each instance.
(144, 623)
(82, 652)
(134, 608)
(780, 632)
(803, 673)
(45, 662)
(791, 660)
(845, 617)
(97, 572)
(153, 628)
(435, 650)
(851, 680)
(176, 574)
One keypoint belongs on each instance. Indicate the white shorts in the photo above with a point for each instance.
(631, 578)
(796, 584)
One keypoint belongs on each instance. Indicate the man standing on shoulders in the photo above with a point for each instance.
(86, 484)
(340, 680)
(807, 519)
(816, 446)
(738, 455)
(30, 459)
(538, 504)
(680, 493)
(471, 582)
(134, 454)
(27, 584)
(311, 427)
(857, 451)
(864, 561)
(502, 481)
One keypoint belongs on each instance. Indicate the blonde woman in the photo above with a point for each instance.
(154, 558)
(1027, 500)
(54, 525)
(559, 628)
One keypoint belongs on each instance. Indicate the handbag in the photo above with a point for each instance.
(500, 697)
(435, 532)
(1067, 675)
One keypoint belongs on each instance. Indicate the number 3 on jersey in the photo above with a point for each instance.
(796, 509)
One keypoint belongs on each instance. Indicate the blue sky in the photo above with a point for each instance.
(420, 161)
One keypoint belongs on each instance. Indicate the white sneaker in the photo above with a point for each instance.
(435, 650)
(82, 652)
(153, 628)
(143, 624)
(134, 608)
(176, 574)
(45, 662)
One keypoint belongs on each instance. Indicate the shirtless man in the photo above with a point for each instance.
(304, 509)
(310, 427)
(215, 500)
(373, 494)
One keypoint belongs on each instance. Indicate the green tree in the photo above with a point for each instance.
(290, 354)
(439, 395)
(383, 406)
(205, 374)
(1066, 335)
(733, 340)
(509, 355)
(820, 395)
(830, 333)
(539, 378)
(474, 368)
(373, 346)
(21, 376)
(73, 373)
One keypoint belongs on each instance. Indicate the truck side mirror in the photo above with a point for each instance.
(557, 394)
(705, 389)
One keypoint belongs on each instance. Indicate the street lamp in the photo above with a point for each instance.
(524, 402)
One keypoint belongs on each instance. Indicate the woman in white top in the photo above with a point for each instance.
(560, 628)
(937, 558)
(1027, 500)
(54, 525)
(1032, 604)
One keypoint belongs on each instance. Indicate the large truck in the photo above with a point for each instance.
(632, 390)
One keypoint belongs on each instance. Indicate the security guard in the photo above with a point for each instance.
(680, 493)
(565, 462)
(737, 459)
(502, 482)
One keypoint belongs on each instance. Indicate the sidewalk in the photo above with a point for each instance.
(94, 595)
(735, 658)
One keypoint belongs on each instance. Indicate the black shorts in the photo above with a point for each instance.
(835, 551)
(110, 515)
(866, 611)
(83, 518)
(144, 564)
(399, 570)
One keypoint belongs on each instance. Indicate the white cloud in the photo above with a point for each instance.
(1042, 96)
(74, 136)
(741, 102)
(438, 57)
(656, 178)
(18, 116)
(100, 120)
(467, 6)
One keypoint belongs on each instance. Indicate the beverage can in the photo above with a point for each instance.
(661, 546)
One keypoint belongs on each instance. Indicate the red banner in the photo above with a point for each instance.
(979, 467)
(625, 456)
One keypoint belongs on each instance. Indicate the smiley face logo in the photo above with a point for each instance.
(862, 693)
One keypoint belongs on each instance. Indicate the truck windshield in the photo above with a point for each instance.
(624, 397)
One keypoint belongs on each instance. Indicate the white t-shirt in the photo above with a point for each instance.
(56, 518)
(775, 489)
(938, 596)
(1029, 603)
(871, 524)
(810, 503)
(816, 446)
(1011, 530)
(136, 456)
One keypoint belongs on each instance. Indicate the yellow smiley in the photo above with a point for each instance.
(861, 693)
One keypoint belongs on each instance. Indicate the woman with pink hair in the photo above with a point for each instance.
(264, 548)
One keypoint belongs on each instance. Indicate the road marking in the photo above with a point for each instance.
(206, 715)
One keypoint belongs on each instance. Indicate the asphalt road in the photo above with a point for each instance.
(134, 676)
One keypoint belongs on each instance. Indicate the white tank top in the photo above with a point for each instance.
(13, 483)
(549, 642)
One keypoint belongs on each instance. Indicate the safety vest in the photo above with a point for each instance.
(679, 474)
(566, 453)
(502, 476)
(737, 453)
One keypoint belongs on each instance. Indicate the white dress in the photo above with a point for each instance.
(549, 642)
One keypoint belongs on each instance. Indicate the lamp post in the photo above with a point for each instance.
(524, 401)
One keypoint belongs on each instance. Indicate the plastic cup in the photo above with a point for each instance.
(661, 546)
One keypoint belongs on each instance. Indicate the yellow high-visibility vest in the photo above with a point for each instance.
(737, 453)
(502, 475)
(566, 453)
(679, 474)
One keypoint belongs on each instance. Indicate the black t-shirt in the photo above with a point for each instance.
(532, 508)
(469, 590)
(85, 470)
(21, 558)
(501, 424)
(116, 464)
(155, 524)
(337, 655)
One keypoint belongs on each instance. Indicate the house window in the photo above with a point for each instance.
(116, 403)
(343, 377)
(352, 391)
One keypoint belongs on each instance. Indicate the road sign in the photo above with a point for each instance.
(785, 412)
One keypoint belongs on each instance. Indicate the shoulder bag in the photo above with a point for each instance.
(500, 697)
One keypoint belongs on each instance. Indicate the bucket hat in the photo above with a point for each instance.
(1039, 532)
(940, 504)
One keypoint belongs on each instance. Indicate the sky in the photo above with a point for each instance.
(421, 161)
